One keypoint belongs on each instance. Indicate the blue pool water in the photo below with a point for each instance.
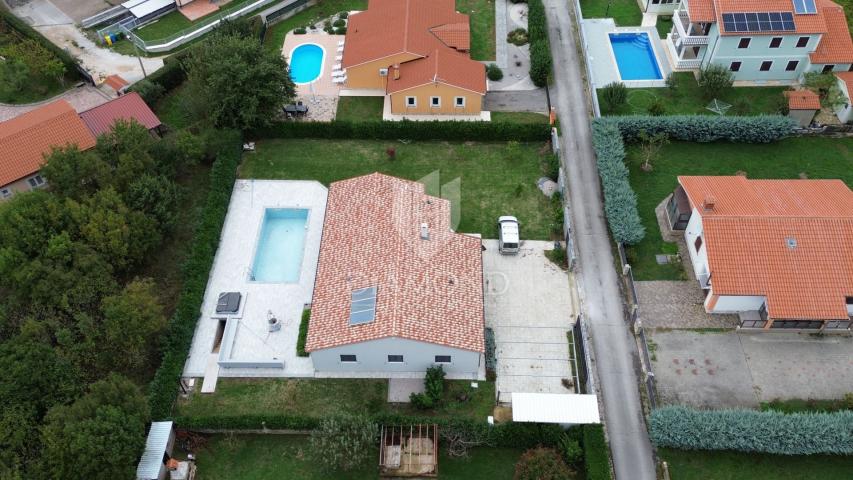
(278, 256)
(634, 56)
(306, 63)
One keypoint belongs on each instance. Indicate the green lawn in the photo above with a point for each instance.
(323, 397)
(496, 178)
(814, 157)
(268, 457)
(35, 87)
(848, 10)
(624, 12)
(174, 22)
(519, 117)
(359, 109)
(482, 18)
(810, 405)
(703, 465)
(664, 25)
(688, 99)
(274, 38)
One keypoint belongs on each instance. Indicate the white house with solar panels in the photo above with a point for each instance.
(761, 41)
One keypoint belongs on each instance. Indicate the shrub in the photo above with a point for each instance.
(517, 37)
(339, 23)
(596, 453)
(557, 214)
(772, 432)
(341, 31)
(780, 105)
(614, 96)
(620, 201)
(149, 91)
(303, 333)
(169, 77)
(705, 128)
(559, 256)
(571, 450)
(343, 443)
(433, 389)
(552, 167)
(656, 108)
(715, 80)
(494, 72)
(540, 49)
(491, 348)
(300, 31)
(343, 15)
(542, 464)
(29, 32)
(671, 82)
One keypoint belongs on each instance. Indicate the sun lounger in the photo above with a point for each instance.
(339, 58)
(341, 43)
(339, 79)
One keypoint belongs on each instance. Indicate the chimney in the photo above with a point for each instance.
(396, 68)
(424, 231)
(708, 203)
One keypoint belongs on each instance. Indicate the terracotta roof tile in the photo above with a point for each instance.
(835, 45)
(25, 139)
(100, 119)
(454, 35)
(115, 82)
(442, 66)
(847, 78)
(427, 290)
(701, 11)
(802, 100)
(788, 240)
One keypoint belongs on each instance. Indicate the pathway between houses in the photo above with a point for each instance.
(81, 98)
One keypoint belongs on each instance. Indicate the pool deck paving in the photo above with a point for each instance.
(602, 61)
(320, 95)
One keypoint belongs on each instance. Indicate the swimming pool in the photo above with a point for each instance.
(278, 256)
(635, 56)
(306, 63)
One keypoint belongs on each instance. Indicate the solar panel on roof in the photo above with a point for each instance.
(363, 306)
(759, 22)
(805, 6)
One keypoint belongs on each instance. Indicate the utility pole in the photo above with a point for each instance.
(138, 57)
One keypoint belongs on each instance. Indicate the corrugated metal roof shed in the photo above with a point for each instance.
(142, 8)
(100, 119)
(560, 408)
(155, 447)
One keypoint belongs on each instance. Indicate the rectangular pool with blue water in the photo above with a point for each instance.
(635, 56)
(278, 255)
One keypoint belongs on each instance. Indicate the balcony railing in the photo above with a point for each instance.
(682, 25)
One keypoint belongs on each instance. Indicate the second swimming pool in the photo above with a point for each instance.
(278, 256)
(306, 63)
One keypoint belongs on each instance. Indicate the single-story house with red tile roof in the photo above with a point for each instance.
(397, 290)
(779, 253)
(27, 138)
(100, 120)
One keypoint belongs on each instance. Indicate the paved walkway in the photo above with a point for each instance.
(81, 98)
(616, 360)
(521, 101)
(677, 304)
(400, 390)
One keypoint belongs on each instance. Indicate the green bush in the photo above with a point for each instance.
(494, 72)
(169, 77)
(778, 433)
(517, 37)
(571, 450)
(704, 128)
(620, 201)
(299, 31)
(29, 32)
(596, 453)
(715, 80)
(303, 333)
(540, 48)
(343, 15)
(176, 342)
(409, 130)
(656, 108)
(542, 464)
(433, 389)
(339, 23)
(341, 31)
(614, 96)
(343, 443)
(149, 91)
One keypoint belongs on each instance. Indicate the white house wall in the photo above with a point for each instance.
(845, 112)
(735, 303)
(724, 50)
(699, 259)
(372, 356)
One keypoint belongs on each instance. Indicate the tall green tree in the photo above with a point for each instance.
(132, 321)
(72, 173)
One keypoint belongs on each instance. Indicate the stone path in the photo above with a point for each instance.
(81, 98)
(677, 304)
(512, 59)
(401, 389)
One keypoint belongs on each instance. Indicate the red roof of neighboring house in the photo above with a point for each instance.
(835, 45)
(418, 28)
(100, 119)
(25, 139)
(440, 66)
(802, 100)
(788, 240)
(847, 78)
(427, 290)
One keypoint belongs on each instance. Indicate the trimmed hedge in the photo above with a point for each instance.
(540, 47)
(21, 27)
(596, 453)
(518, 435)
(705, 128)
(753, 431)
(406, 129)
(164, 387)
(620, 201)
(303, 333)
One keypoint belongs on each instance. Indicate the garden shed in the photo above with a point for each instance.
(409, 451)
(158, 449)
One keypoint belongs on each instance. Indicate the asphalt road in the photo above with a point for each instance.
(614, 347)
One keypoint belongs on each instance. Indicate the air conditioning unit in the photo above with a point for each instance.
(383, 72)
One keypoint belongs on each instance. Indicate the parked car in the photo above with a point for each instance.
(508, 235)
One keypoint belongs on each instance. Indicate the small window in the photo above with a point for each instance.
(395, 359)
(434, 102)
(775, 42)
(827, 68)
(744, 43)
(411, 101)
(5, 193)
(442, 359)
(848, 300)
(35, 181)
(765, 66)
(348, 359)
(459, 101)
(802, 42)
(735, 66)
(698, 244)
(792, 65)
(362, 306)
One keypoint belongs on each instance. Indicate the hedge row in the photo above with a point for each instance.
(170, 76)
(518, 435)
(540, 47)
(620, 201)
(432, 130)
(753, 431)
(705, 128)
(596, 453)
(21, 27)
(164, 387)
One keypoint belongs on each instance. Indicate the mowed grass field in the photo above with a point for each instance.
(809, 157)
(495, 178)
(702, 465)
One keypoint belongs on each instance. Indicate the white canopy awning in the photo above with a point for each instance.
(560, 408)
(155, 447)
(141, 8)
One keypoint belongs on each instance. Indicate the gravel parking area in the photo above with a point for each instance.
(677, 304)
(529, 306)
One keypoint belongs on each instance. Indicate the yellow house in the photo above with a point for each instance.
(416, 52)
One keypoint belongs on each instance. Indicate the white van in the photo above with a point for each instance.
(508, 235)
